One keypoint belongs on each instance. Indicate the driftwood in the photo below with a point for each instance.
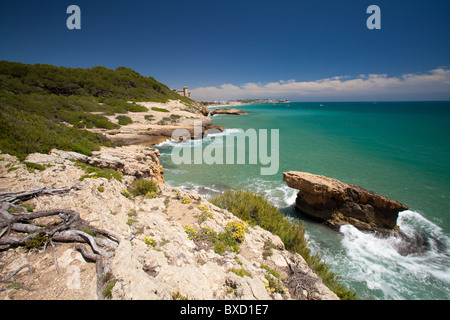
(300, 282)
(17, 284)
(14, 197)
(69, 228)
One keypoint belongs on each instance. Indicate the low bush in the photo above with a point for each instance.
(256, 210)
(241, 272)
(44, 107)
(160, 109)
(143, 187)
(22, 133)
(95, 173)
(34, 166)
(124, 120)
(208, 237)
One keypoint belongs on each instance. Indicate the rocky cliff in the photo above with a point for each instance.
(170, 243)
(337, 203)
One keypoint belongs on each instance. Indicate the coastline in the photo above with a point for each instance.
(157, 124)
(176, 264)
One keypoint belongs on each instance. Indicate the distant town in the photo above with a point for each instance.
(244, 101)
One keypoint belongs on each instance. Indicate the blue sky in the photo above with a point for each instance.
(300, 50)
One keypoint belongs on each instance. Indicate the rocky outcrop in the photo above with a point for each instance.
(136, 161)
(156, 258)
(337, 203)
(157, 136)
(205, 111)
(158, 123)
(228, 111)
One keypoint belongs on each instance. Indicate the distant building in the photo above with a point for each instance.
(184, 92)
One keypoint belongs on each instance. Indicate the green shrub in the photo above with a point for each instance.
(124, 120)
(143, 187)
(38, 101)
(22, 133)
(237, 230)
(160, 109)
(220, 242)
(97, 84)
(95, 173)
(178, 296)
(256, 210)
(271, 271)
(107, 292)
(38, 241)
(29, 207)
(34, 166)
(226, 242)
(274, 285)
(241, 272)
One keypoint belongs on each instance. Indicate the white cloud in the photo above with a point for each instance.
(435, 83)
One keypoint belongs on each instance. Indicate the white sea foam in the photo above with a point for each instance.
(196, 142)
(381, 265)
(176, 171)
(226, 132)
(167, 143)
(278, 193)
(205, 191)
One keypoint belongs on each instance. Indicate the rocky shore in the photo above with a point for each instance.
(158, 254)
(157, 124)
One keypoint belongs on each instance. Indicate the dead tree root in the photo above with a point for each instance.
(19, 228)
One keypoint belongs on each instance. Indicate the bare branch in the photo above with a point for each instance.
(98, 265)
(69, 230)
(12, 274)
(14, 197)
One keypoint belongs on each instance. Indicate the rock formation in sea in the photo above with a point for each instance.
(228, 111)
(337, 203)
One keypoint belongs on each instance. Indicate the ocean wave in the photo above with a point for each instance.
(226, 132)
(382, 264)
(168, 144)
(205, 191)
(278, 193)
(165, 144)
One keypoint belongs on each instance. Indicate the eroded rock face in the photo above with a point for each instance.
(137, 161)
(337, 203)
(134, 160)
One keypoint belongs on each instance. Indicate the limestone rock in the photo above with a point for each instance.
(337, 203)
(228, 111)
(133, 160)
(174, 265)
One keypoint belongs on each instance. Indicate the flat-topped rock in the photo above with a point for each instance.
(228, 111)
(337, 203)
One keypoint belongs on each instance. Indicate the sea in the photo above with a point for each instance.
(398, 149)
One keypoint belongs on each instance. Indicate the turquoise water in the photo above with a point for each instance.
(398, 149)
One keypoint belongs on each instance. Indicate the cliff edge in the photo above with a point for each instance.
(171, 244)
